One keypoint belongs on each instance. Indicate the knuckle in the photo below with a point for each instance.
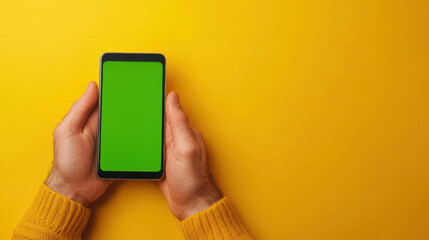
(62, 131)
(182, 118)
(188, 150)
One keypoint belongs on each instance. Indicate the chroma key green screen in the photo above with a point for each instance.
(131, 116)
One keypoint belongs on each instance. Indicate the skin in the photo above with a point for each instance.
(187, 185)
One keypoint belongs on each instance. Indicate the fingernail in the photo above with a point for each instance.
(175, 100)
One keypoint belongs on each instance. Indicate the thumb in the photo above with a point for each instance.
(178, 121)
(82, 108)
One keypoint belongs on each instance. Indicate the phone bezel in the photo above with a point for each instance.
(138, 57)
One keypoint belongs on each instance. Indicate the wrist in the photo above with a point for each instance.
(202, 201)
(58, 185)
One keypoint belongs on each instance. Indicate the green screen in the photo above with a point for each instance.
(131, 116)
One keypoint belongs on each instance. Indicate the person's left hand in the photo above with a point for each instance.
(75, 139)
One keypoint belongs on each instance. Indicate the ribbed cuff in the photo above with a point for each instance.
(53, 216)
(217, 222)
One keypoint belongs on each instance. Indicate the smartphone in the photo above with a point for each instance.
(131, 116)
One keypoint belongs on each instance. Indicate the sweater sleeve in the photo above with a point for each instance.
(52, 216)
(217, 222)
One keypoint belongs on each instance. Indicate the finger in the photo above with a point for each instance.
(91, 124)
(81, 109)
(168, 136)
(178, 121)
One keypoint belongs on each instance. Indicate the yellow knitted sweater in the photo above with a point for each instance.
(53, 216)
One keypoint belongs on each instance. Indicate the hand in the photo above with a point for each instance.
(187, 186)
(75, 139)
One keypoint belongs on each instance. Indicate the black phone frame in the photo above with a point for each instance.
(135, 57)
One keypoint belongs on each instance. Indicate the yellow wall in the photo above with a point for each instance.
(315, 113)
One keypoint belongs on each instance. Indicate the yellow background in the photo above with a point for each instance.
(315, 113)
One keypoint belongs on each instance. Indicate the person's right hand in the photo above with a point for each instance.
(75, 140)
(187, 184)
